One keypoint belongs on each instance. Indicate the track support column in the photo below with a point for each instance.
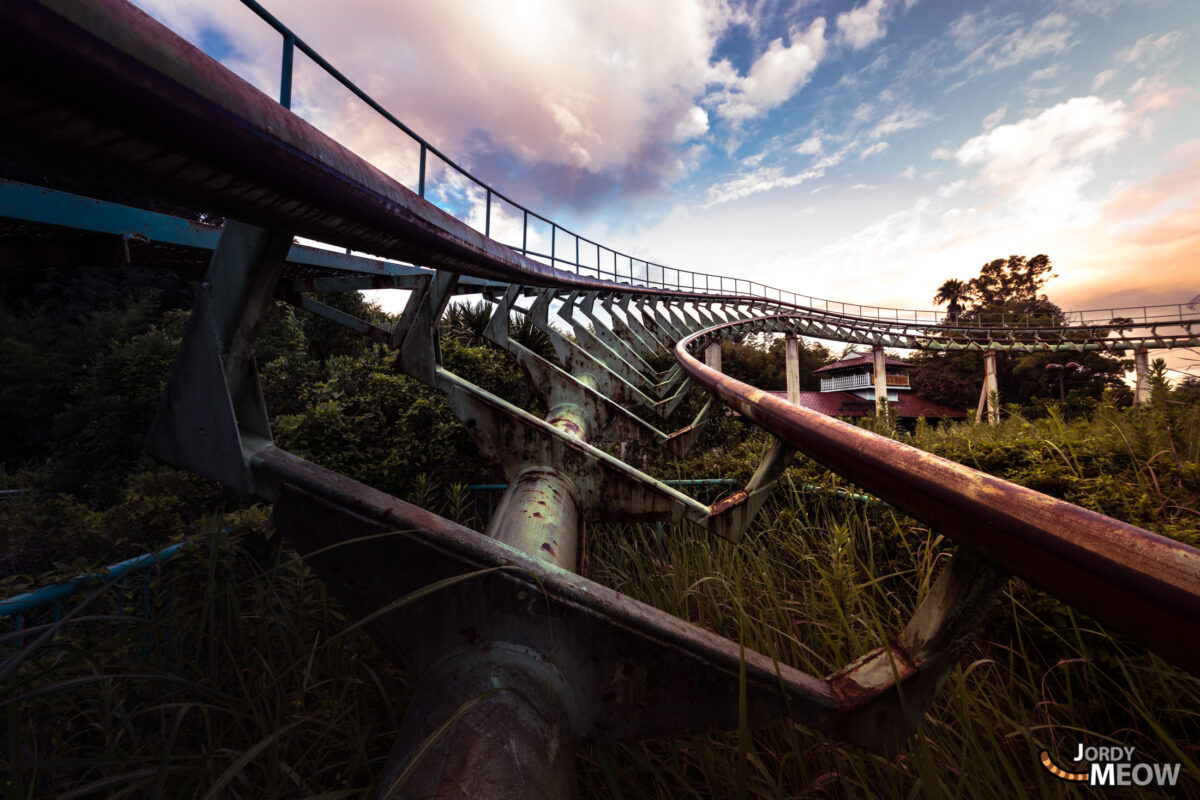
(791, 354)
(1141, 366)
(712, 355)
(880, 377)
(989, 396)
(487, 722)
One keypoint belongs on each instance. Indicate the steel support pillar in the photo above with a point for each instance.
(1141, 366)
(881, 379)
(712, 354)
(791, 352)
(989, 395)
(492, 720)
(212, 397)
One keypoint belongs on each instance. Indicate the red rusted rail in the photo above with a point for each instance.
(1140, 582)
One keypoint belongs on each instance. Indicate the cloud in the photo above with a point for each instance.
(774, 77)
(1149, 47)
(988, 43)
(861, 26)
(909, 172)
(993, 119)
(1154, 223)
(902, 119)
(1044, 161)
(756, 178)
(692, 125)
(761, 179)
(810, 146)
(951, 189)
(582, 95)
(1103, 78)
(874, 149)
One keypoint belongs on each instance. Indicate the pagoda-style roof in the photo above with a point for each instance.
(858, 361)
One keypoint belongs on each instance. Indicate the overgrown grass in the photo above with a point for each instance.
(245, 683)
(239, 687)
(828, 580)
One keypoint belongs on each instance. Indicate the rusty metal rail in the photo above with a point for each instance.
(1139, 582)
(499, 630)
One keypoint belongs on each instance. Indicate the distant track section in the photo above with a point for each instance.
(102, 98)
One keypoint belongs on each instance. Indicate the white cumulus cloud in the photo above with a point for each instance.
(1044, 161)
(861, 26)
(775, 76)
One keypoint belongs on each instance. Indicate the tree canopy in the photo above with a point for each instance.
(1006, 287)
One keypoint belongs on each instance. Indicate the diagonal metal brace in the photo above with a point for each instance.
(733, 515)
(888, 691)
(213, 394)
(610, 490)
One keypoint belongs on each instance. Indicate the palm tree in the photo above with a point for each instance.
(955, 293)
(465, 322)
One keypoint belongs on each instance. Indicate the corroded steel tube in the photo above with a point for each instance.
(499, 731)
(539, 515)
(1139, 582)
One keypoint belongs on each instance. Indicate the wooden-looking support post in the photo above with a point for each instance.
(791, 351)
(880, 376)
(712, 355)
(989, 396)
(1141, 366)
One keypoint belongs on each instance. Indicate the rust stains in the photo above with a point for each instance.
(737, 498)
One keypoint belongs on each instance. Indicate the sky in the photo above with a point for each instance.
(860, 151)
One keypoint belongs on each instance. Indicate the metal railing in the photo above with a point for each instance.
(20, 607)
(839, 383)
(623, 268)
(1137, 581)
(859, 380)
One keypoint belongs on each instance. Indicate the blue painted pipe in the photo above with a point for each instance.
(26, 602)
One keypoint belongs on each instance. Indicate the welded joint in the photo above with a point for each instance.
(731, 517)
(665, 407)
(681, 441)
(596, 348)
(577, 361)
(586, 304)
(645, 325)
(885, 693)
(627, 323)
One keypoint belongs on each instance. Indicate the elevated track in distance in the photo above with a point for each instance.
(97, 100)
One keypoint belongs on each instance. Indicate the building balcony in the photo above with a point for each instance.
(860, 380)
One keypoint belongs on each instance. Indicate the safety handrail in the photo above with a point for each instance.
(700, 282)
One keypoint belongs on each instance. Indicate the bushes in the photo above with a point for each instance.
(254, 687)
(1138, 465)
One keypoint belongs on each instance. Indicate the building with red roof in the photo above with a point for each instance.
(848, 390)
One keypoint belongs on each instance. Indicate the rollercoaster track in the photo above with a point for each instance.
(102, 96)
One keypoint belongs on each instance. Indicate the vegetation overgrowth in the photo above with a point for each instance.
(247, 679)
